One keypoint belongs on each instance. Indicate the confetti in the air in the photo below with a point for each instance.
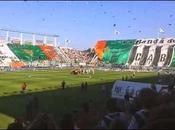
(169, 24)
(171, 15)
(116, 32)
(43, 19)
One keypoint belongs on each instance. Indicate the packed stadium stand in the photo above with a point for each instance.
(137, 52)
(27, 53)
(117, 52)
(6, 55)
(150, 109)
(75, 56)
(17, 64)
(130, 53)
(50, 52)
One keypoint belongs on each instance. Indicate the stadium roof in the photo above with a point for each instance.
(41, 34)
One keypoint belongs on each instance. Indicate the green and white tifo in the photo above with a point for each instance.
(138, 52)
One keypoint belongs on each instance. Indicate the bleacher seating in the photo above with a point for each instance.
(6, 55)
(27, 53)
(17, 64)
(50, 52)
(76, 55)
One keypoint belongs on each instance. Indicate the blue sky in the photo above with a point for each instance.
(84, 23)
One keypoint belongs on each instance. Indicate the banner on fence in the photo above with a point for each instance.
(121, 88)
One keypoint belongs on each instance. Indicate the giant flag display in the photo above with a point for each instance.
(138, 52)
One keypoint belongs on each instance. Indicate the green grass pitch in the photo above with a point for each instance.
(46, 85)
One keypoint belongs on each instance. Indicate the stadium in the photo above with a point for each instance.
(115, 84)
(43, 66)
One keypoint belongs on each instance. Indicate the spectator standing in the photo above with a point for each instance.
(43, 121)
(17, 124)
(126, 78)
(134, 74)
(35, 106)
(147, 100)
(24, 87)
(123, 78)
(63, 84)
(29, 107)
(85, 121)
(82, 86)
(106, 90)
(162, 116)
(103, 88)
(85, 86)
(114, 112)
(67, 122)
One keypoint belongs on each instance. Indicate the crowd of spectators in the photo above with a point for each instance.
(149, 110)
(78, 56)
(166, 77)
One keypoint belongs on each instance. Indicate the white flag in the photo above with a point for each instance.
(161, 30)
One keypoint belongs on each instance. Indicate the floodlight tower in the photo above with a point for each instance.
(33, 39)
(7, 36)
(21, 38)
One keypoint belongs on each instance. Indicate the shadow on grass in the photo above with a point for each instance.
(53, 100)
(57, 101)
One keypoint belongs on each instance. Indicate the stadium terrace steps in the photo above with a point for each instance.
(27, 53)
(50, 52)
(6, 55)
